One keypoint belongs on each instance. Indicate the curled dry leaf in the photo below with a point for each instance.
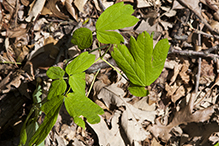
(176, 71)
(10, 6)
(184, 116)
(180, 92)
(183, 73)
(144, 4)
(36, 9)
(51, 5)
(111, 136)
(71, 9)
(80, 4)
(25, 2)
(207, 73)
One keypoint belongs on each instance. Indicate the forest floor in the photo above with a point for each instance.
(182, 107)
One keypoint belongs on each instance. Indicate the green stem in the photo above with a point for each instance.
(28, 117)
(93, 82)
(9, 62)
(114, 68)
(98, 48)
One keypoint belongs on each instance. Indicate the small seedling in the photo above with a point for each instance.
(141, 63)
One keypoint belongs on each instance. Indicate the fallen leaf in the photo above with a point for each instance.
(71, 9)
(145, 4)
(183, 72)
(35, 11)
(51, 5)
(80, 4)
(207, 73)
(111, 136)
(180, 92)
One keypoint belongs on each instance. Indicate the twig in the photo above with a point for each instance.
(193, 53)
(198, 75)
(198, 15)
(101, 5)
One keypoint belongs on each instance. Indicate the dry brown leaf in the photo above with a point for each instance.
(142, 104)
(183, 72)
(145, 4)
(51, 5)
(35, 11)
(146, 26)
(131, 122)
(184, 116)
(4, 82)
(207, 73)
(111, 136)
(16, 81)
(71, 9)
(170, 89)
(180, 92)
(169, 12)
(176, 71)
(130, 1)
(105, 3)
(25, 2)
(192, 3)
(10, 6)
(80, 4)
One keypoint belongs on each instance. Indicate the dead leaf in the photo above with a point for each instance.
(145, 4)
(170, 89)
(176, 71)
(111, 136)
(25, 2)
(71, 9)
(130, 1)
(169, 12)
(183, 72)
(36, 9)
(4, 82)
(184, 116)
(131, 122)
(16, 81)
(180, 92)
(80, 4)
(207, 73)
(51, 5)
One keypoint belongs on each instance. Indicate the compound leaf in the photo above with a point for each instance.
(82, 37)
(58, 88)
(80, 63)
(109, 37)
(141, 63)
(51, 109)
(55, 72)
(115, 17)
(77, 82)
(78, 104)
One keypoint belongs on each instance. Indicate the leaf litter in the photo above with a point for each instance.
(181, 102)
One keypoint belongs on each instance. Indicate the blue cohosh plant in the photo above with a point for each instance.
(141, 63)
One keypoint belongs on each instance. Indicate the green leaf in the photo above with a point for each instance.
(80, 63)
(23, 135)
(55, 72)
(58, 88)
(115, 17)
(51, 109)
(109, 37)
(77, 82)
(141, 63)
(138, 90)
(82, 37)
(78, 104)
